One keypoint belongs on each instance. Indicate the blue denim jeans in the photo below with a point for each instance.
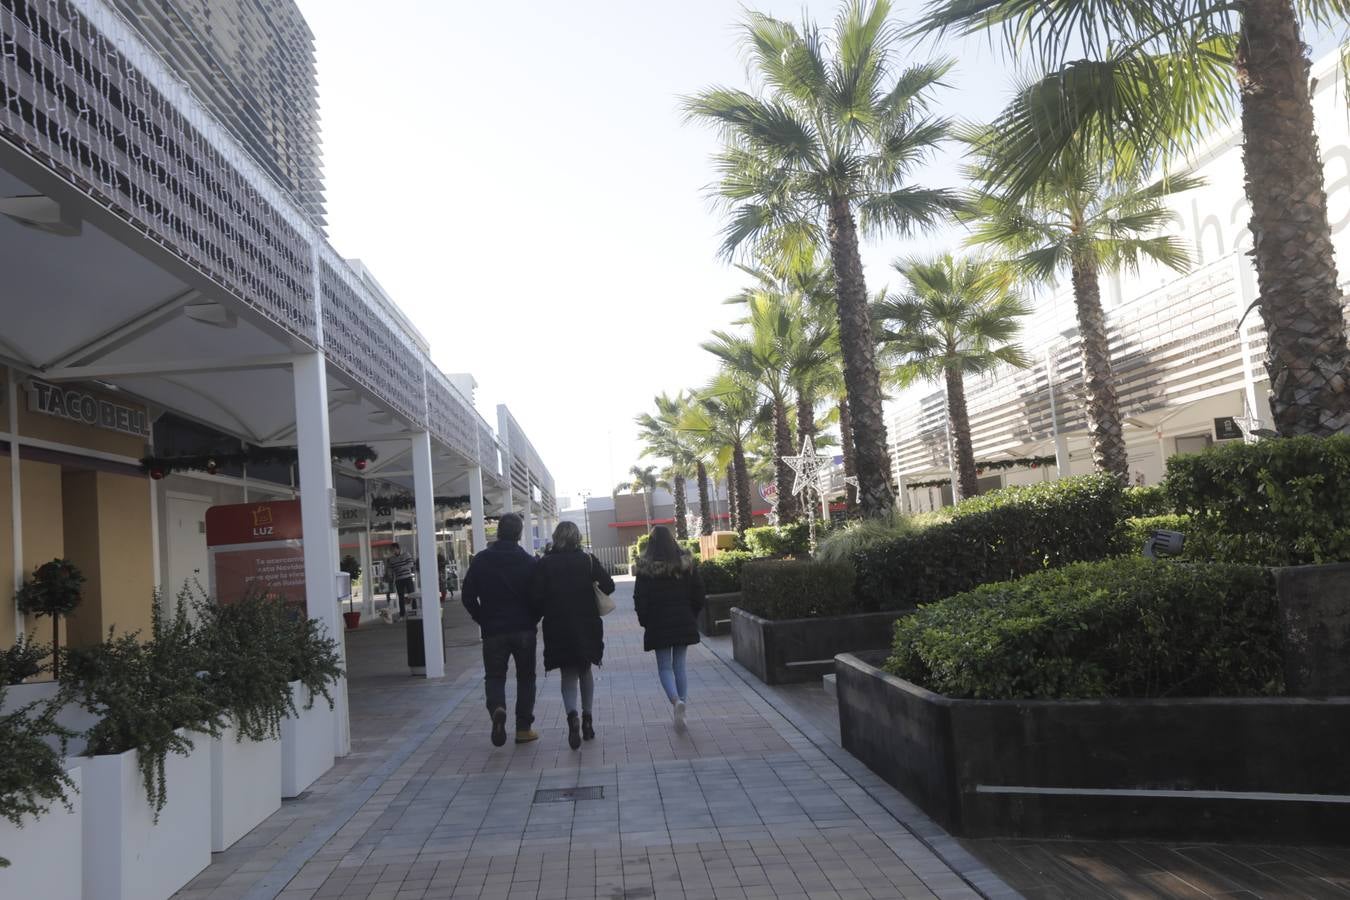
(670, 669)
(498, 650)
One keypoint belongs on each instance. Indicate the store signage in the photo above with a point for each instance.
(1226, 429)
(256, 548)
(83, 407)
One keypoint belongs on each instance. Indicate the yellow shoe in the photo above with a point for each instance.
(525, 736)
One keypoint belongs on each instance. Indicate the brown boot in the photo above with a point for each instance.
(526, 735)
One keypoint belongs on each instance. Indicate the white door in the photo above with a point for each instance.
(188, 560)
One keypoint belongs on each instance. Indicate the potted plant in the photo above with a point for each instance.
(147, 775)
(54, 590)
(352, 566)
(39, 792)
(313, 663)
(246, 673)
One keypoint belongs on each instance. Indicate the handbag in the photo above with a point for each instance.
(604, 603)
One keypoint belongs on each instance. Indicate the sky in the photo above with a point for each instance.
(520, 179)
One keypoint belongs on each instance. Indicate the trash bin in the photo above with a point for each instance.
(417, 651)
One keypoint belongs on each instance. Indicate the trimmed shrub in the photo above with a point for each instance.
(994, 537)
(779, 541)
(1280, 502)
(1147, 500)
(797, 589)
(1128, 627)
(722, 573)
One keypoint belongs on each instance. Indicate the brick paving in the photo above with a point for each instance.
(742, 805)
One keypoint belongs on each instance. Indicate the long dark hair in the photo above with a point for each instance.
(661, 546)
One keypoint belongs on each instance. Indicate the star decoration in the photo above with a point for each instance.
(807, 466)
(851, 480)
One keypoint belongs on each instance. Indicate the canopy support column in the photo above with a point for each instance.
(427, 576)
(477, 525)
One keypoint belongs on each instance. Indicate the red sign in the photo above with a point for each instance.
(256, 548)
(252, 523)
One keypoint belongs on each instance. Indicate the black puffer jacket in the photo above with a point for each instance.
(497, 589)
(668, 597)
(563, 595)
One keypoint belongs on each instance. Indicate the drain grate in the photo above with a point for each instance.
(567, 795)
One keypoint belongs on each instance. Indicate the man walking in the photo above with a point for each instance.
(401, 567)
(496, 593)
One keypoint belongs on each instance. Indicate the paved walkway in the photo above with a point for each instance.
(744, 804)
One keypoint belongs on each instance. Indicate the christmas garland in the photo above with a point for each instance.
(385, 505)
(159, 466)
(996, 465)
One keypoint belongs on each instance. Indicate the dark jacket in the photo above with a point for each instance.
(563, 595)
(497, 589)
(668, 597)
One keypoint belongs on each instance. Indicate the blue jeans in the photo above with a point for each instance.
(498, 650)
(670, 669)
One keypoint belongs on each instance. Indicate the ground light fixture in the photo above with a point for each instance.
(1164, 543)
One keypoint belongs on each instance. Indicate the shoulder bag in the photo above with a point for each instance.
(604, 603)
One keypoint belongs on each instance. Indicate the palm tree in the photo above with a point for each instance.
(662, 437)
(959, 317)
(820, 151)
(777, 349)
(1157, 77)
(724, 414)
(1086, 217)
(644, 482)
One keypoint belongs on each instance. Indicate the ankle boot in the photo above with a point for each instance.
(587, 727)
(573, 731)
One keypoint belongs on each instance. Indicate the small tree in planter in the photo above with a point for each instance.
(352, 566)
(32, 776)
(54, 590)
(145, 693)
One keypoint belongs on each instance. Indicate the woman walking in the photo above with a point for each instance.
(668, 595)
(574, 637)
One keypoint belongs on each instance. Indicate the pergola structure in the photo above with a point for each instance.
(144, 251)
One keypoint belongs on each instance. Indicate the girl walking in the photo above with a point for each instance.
(563, 593)
(668, 595)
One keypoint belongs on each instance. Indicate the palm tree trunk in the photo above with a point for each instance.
(806, 417)
(1103, 410)
(850, 468)
(681, 512)
(745, 513)
(860, 367)
(967, 480)
(705, 515)
(785, 505)
(733, 508)
(1308, 361)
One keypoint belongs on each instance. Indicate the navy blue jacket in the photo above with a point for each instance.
(497, 589)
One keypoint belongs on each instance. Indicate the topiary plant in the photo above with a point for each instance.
(55, 591)
(32, 776)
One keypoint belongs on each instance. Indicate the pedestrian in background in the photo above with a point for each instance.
(401, 568)
(574, 637)
(668, 594)
(497, 596)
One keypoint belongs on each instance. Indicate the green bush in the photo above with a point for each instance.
(1147, 500)
(1138, 530)
(843, 543)
(32, 771)
(721, 574)
(994, 537)
(1280, 502)
(779, 541)
(245, 662)
(1128, 627)
(636, 549)
(22, 661)
(797, 588)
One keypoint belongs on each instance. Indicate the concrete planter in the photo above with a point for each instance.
(715, 617)
(307, 742)
(1269, 769)
(127, 854)
(45, 854)
(1315, 620)
(785, 651)
(245, 785)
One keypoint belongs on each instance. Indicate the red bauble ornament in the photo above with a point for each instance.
(211, 466)
(360, 465)
(156, 473)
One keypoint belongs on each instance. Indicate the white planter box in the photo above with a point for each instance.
(245, 785)
(44, 854)
(308, 743)
(71, 715)
(129, 856)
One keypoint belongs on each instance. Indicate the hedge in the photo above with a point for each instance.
(722, 573)
(797, 588)
(635, 549)
(1144, 501)
(1127, 627)
(1139, 530)
(994, 537)
(1278, 502)
(778, 541)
